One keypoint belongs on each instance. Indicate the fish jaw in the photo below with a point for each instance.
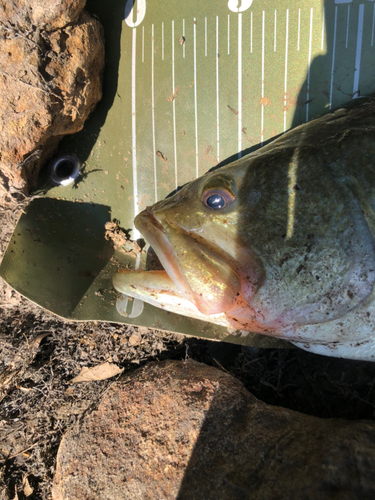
(128, 282)
(201, 275)
(156, 288)
(154, 233)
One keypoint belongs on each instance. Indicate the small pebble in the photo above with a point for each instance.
(142, 330)
(134, 340)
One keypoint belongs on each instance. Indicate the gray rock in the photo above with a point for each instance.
(189, 431)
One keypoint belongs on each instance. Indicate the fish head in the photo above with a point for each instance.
(280, 242)
(279, 230)
(195, 235)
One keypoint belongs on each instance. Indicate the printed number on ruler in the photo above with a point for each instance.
(122, 306)
(239, 5)
(140, 12)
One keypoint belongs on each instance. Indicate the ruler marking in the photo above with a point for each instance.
(205, 36)
(183, 36)
(134, 132)
(262, 107)
(347, 27)
(162, 41)
(239, 84)
(333, 58)
(309, 65)
(217, 91)
(286, 64)
(358, 51)
(153, 107)
(228, 34)
(174, 109)
(143, 44)
(251, 33)
(195, 100)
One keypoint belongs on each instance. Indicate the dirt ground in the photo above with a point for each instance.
(41, 354)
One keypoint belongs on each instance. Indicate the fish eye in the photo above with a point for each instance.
(216, 198)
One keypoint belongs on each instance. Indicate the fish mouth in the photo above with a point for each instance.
(153, 231)
(203, 277)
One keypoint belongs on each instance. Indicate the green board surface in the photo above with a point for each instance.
(187, 86)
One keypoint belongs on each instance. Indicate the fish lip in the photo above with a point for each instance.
(150, 214)
(154, 232)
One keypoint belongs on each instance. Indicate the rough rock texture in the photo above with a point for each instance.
(51, 64)
(189, 431)
(42, 14)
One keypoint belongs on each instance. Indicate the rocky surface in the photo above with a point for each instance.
(189, 431)
(42, 14)
(51, 64)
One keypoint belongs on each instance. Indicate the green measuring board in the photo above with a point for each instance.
(187, 86)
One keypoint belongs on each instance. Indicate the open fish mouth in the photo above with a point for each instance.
(153, 231)
(202, 276)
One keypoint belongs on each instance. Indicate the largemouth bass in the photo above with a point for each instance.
(279, 242)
